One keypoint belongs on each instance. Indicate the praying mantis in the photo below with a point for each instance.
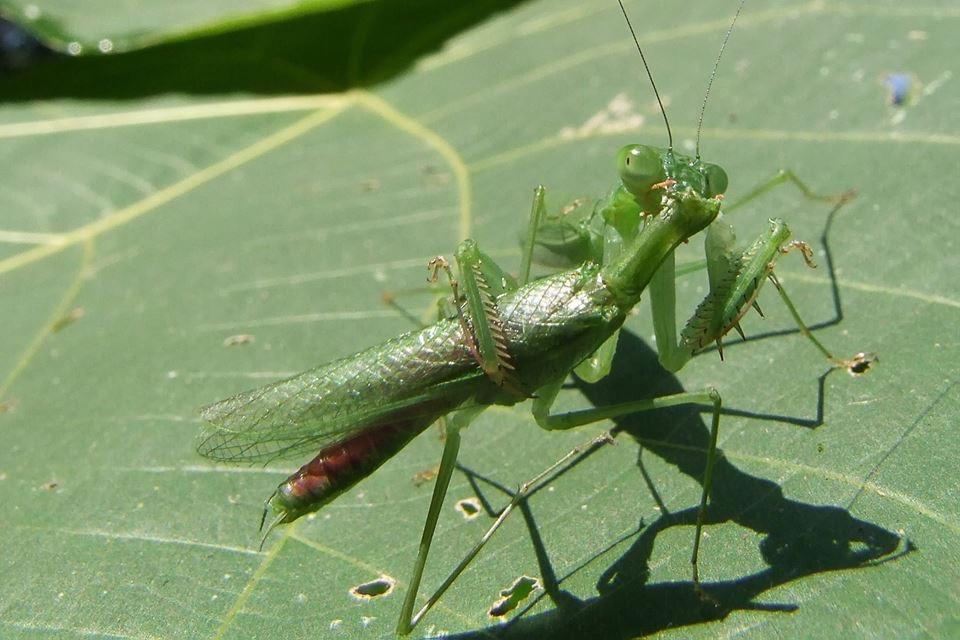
(508, 340)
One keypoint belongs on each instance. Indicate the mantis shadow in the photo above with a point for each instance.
(799, 539)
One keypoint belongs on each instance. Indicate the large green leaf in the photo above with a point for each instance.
(88, 28)
(158, 203)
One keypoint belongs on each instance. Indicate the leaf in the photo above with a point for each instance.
(91, 29)
(235, 185)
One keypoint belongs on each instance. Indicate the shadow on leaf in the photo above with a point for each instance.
(799, 539)
(324, 52)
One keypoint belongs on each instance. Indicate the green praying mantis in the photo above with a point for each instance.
(507, 339)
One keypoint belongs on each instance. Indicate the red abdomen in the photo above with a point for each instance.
(341, 465)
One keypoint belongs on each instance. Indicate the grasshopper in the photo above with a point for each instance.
(512, 339)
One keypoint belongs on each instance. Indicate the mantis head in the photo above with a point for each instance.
(646, 172)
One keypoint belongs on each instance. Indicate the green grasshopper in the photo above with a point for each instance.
(510, 339)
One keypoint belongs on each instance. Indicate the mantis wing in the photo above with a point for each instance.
(428, 371)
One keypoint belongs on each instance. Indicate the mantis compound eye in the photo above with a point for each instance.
(716, 180)
(640, 167)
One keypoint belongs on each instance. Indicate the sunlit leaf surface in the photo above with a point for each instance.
(189, 221)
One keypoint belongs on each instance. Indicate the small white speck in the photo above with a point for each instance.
(74, 48)
(824, 71)
(214, 597)
(834, 114)
(551, 489)
(171, 375)
(31, 12)
(227, 576)
(105, 45)
(366, 620)
(60, 595)
(689, 144)
(3, 476)
(380, 275)
(583, 507)
(301, 598)
(335, 624)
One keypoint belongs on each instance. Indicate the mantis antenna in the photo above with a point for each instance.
(716, 65)
(650, 75)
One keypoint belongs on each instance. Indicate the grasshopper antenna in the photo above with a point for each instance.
(650, 75)
(716, 65)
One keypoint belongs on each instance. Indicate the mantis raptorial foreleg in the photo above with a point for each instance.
(735, 276)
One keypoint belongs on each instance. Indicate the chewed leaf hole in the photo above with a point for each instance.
(469, 508)
(374, 589)
(860, 363)
(512, 597)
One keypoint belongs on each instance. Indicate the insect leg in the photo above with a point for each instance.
(536, 214)
(785, 176)
(483, 282)
(597, 365)
(518, 497)
(855, 365)
(448, 461)
(710, 396)
(663, 307)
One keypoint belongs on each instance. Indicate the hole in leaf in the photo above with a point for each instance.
(469, 508)
(861, 363)
(374, 589)
(511, 598)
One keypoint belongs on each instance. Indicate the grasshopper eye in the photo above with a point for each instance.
(716, 179)
(640, 168)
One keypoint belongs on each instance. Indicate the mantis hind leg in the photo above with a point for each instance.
(522, 492)
(448, 460)
(543, 402)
